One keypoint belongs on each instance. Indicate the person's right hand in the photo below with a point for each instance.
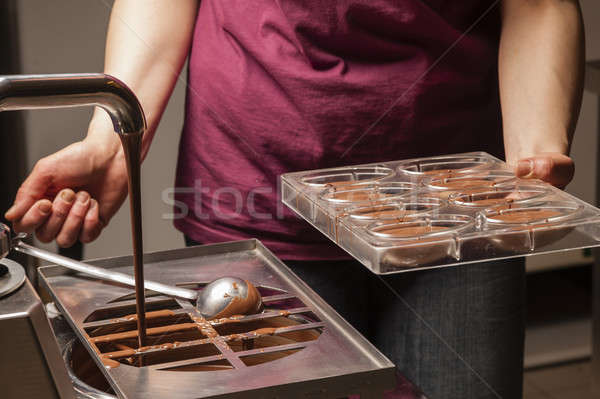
(71, 194)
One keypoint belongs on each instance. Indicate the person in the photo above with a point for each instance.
(279, 86)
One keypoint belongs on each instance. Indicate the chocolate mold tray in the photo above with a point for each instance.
(297, 348)
(440, 211)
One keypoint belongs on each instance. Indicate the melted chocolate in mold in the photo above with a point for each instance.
(357, 196)
(265, 337)
(158, 354)
(206, 327)
(121, 348)
(466, 183)
(411, 231)
(160, 331)
(445, 172)
(503, 198)
(126, 323)
(342, 183)
(149, 315)
(384, 213)
(526, 216)
(117, 343)
(112, 313)
(232, 319)
(492, 201)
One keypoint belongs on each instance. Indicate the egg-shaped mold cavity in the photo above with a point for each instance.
(347, 175)
(365, 193)
(445, 186)
(393, 210)
(453, 165)
(499, 195)
(419, 240)
(519, 228)
(489, 178)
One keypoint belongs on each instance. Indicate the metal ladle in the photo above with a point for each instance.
(212, 301)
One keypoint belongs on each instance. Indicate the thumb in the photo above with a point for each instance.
(554, 168)
(33, 189)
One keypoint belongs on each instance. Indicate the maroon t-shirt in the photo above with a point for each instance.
(285, 85)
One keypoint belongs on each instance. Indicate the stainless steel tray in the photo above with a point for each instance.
(338, 363)
(440, 211)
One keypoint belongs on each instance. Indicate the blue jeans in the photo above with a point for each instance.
(456, 333)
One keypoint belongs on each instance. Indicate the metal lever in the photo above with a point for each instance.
(102, 273)
(214, 299)
(8, 243)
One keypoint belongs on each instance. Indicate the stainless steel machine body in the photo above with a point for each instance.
(31, 365)
(23, 366)
(338, 363)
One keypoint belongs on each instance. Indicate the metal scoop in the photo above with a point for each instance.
(222, 297)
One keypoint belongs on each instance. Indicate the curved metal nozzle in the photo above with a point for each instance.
(20, 92)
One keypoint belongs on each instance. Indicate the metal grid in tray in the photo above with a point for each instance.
(315, 353)
(439, 211)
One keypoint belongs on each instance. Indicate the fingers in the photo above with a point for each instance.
(92, 224)
(34, 217)
(33, 189)
(69, 233)
(73, 216)
(60, 210)
(556, 169)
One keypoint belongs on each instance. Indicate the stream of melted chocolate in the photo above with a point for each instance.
(132, 148)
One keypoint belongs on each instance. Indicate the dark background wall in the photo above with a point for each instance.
(12, 140)
(13, 162)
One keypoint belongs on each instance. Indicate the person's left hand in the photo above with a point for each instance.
(552, 167)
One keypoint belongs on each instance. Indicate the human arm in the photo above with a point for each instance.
(73, 193)
(541, 70)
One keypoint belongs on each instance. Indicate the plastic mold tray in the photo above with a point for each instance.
(439, 211)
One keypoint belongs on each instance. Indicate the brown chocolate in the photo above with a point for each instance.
(150, 331)
(412, 231)
(357, 195)
(205, 327)
(526, 216)
(149, 315)
(132, 149)
(376, 213)
(109, 363)
(463, 183)
(248, 305)
(492, 201)
(263, 335)
(265, 331)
